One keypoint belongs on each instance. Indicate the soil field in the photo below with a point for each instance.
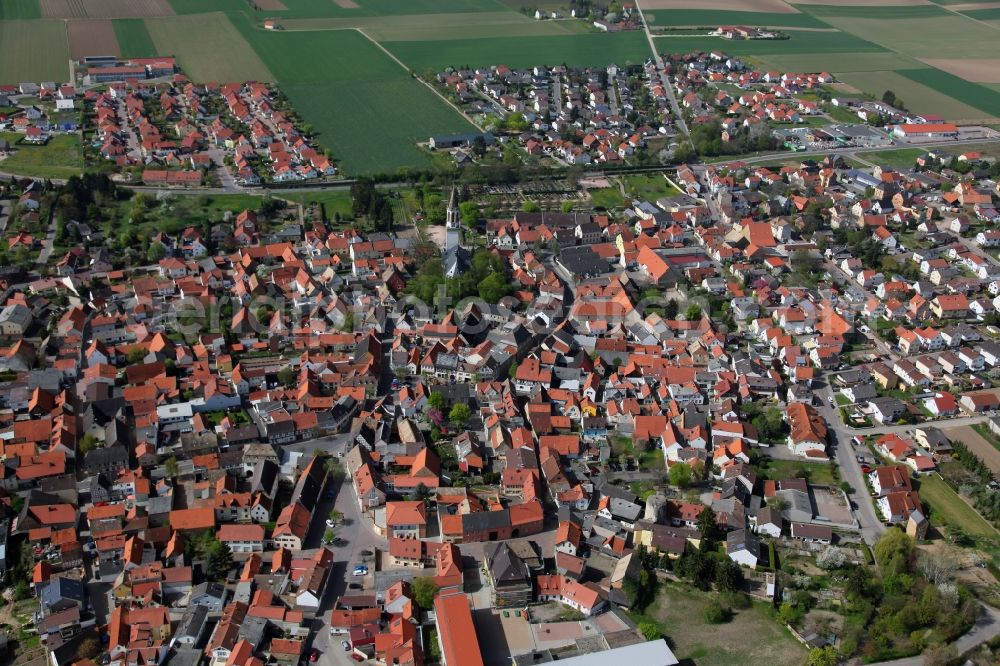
(133, 38)
(105, 8)
(977, 445)
(862, 3)
(21, 55)
(733, 5)
(92, 37)
(208, 48)
(976, 70)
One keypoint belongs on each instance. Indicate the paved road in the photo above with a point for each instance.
(987, 627)
(850, 471)
(49, 242)
(664, 79)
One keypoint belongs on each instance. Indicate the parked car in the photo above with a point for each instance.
(314, 655)
(345, 645)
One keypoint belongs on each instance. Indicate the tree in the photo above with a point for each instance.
(824, 656)
(88, 649)
(530, 206)
(336, 516)
(424, 591)
(889, 98)
(693, 312)
(155, 252)
(493, 288)
(728, 576)
(286, 376)
(87, 444)
(831, 558)
(567, 206)
(680, 475)
(670, 309)
(436, 401)
(715, 613)
(135, 355)
(650, 631)
(421, 492)
(707, 526)
(170, 466)
(220, 560)
(470, 213)
(893, 552)
(459, 414)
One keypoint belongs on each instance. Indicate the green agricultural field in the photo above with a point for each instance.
(954, 36)
(367, 109)
(800, 41)
(574, 50)
(33, 51)
(842, 62)
(323, 8)
(991, 14)
(133, 38)
(61, 157)
(19, 9)
(889, 13)
(424, 27)
(208, 48)
(917, 97)
(662, 18)
(952, 509)
(973, 94)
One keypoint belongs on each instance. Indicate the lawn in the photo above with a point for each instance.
(208, 48)
(753, 636)
(954, 36)
(606, 198)
(649, 188)
(897, 159)
(19, 9)
(574, 50)
(33, 51)
(366, 109)
(134, 39)
(333, 201)
(61, 157)
(952, 509)
(177, 212)
(818, 473)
